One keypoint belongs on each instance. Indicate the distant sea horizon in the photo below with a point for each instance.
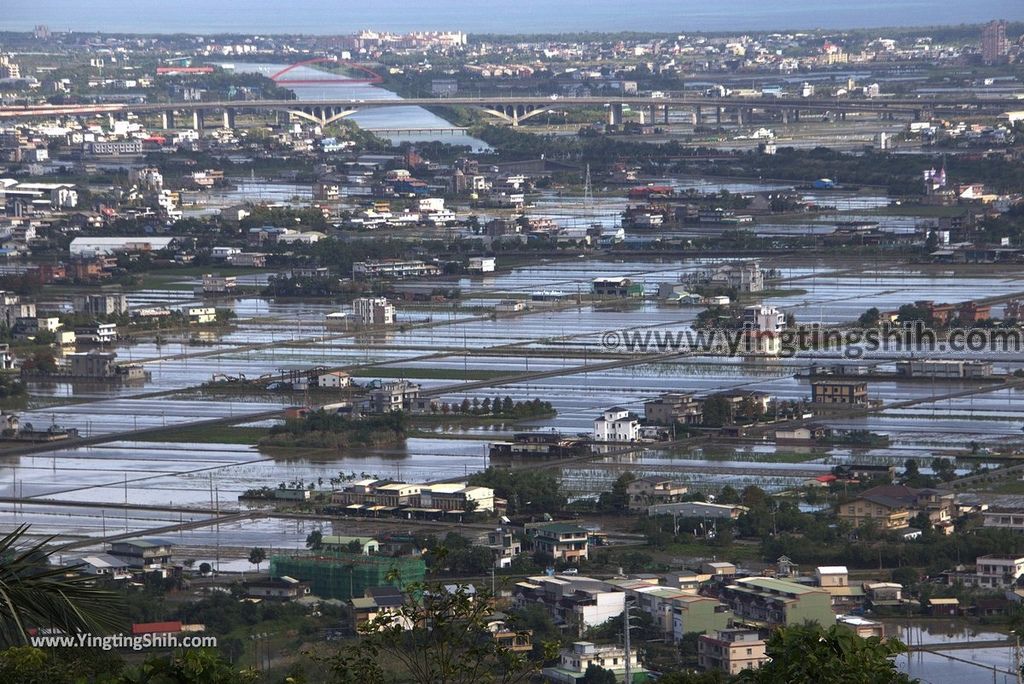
(326, 17)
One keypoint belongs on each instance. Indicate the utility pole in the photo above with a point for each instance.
(1016, 657)
(625, 630)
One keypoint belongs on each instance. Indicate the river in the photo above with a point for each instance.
(370, 119)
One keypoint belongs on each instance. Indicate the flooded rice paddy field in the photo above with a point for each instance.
(193, 481)
(199, 475)
(447, 348)
(950, 659)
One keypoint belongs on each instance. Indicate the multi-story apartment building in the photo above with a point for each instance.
(649, 491)
(393, 269)
(742, 277)
(373, 310)
(617, 425)
(97, 333)
(559, 541)
(142, 553)
(395, 494)
(12, 308)
(852, 392)
(994, 45)
(394, 396)
(457, 496)
(101, 304)
(617, 287)
(776, 602)
(202, 314)
(217, 284)
(28, 328)
(731, 651)
(996, 572)
(452, 496)
(114, 147)
(574, 661)
(571, 601)
(503, 544)
(674, 407)
(1004, 517)
(892, 506)
(675, 611)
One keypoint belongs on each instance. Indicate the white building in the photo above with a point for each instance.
(740, 276)
(617, 425)
(456, 496)
(148, 178)
(115, 147)
(95, 246)
(731, 651)
(764, 318)
(28, 328)
(429, 205)
(763, 325)
(574, 661)
(571, 599)
(202, 314)
(224, 252)
(510, 306)
(481, 264)
(215, 284)
(373, 310)
(98, 333)
(996, 572)
(49, 195)
(12, 308)
(334, 380)
(106, 565)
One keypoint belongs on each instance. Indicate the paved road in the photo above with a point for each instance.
(37, 448)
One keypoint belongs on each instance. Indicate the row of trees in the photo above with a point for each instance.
(501, 408)
(324, 429)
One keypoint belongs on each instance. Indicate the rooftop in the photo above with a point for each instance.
(561, 528)
(771, 584)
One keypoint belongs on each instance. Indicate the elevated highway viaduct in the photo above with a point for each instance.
(515, 110)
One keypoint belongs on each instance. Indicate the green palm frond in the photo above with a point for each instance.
(34, 594)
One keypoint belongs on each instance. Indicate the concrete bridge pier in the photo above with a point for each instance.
(739, 116)
(229, 118)
(167, 119)
(718, 116)
(197, 119)
(615, 114)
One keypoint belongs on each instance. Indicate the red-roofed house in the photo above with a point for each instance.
(168, 627)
